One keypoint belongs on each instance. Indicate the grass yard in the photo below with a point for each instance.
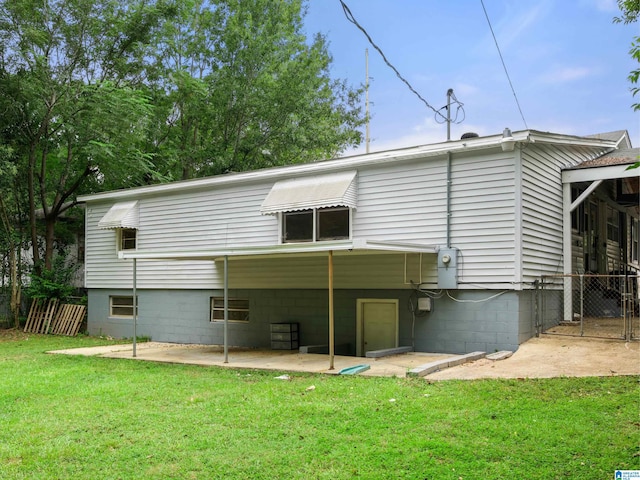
(64, 417)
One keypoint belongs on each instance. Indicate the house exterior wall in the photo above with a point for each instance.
(483, 218)
(502, 211)
(393, 271)
(474, 321)
(403, 202)
(542, 206)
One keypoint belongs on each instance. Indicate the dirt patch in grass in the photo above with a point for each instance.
(13, 334)
(555, 356)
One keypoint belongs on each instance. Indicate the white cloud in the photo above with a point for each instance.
(566, 74)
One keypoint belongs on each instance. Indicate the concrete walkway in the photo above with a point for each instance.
(278, 360)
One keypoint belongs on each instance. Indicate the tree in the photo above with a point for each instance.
(106, 94)
(69, 81)
(11, 234)
(630, 12)
(246, 90)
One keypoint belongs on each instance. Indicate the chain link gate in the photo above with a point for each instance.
(599, 306)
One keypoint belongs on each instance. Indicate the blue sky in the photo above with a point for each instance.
(567, 60)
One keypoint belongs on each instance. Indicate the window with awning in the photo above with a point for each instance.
(121, 215)
(123, 218)
(307, 193)
(313, 209)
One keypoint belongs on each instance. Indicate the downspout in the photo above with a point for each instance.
(135, 306)
(331, 316)
(448, 199)
(226, 309)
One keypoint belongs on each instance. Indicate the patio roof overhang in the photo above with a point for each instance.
(599, 173)
(608, 167)
(345, 247)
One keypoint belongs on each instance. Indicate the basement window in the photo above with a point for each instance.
(121, 306)
(238, 309)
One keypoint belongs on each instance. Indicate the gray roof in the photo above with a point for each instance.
(615, 136)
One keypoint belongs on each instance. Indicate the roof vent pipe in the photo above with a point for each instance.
(469, 135)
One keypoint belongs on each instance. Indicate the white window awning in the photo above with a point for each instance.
(331, 190)
(121, 215)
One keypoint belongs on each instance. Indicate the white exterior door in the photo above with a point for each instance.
(377, 324)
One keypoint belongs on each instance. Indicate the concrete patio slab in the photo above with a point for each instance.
(278, 360)
(544, 357)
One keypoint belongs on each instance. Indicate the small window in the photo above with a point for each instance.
(635, 240)
(121, 306)
(329, 223)
(333, 223)
(238, 309)
(127, 239)
(577, 215)
(297, 226)
(613, 225)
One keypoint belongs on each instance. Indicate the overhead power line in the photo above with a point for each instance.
(352, 19)
(504, 65)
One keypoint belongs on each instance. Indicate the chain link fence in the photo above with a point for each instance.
(602, 306)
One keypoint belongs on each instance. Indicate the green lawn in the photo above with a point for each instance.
(64, 417)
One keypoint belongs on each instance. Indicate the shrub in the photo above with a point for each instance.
(53, 283)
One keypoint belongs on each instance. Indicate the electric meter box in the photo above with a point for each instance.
(424, 304)
(448, 268)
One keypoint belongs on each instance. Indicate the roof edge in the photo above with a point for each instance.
(350, 162)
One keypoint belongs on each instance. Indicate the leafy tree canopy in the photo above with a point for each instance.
(243, 88)
(106, 94)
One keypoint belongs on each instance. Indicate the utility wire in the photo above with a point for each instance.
(504, 65)
(353, 20)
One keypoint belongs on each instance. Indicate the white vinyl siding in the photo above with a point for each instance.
(208, 219)
(179, 222)
(104, 269)
(483, 219)
(404, 202)
(504, 235)
(399, 202)
(542, 207)
(350, 271)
